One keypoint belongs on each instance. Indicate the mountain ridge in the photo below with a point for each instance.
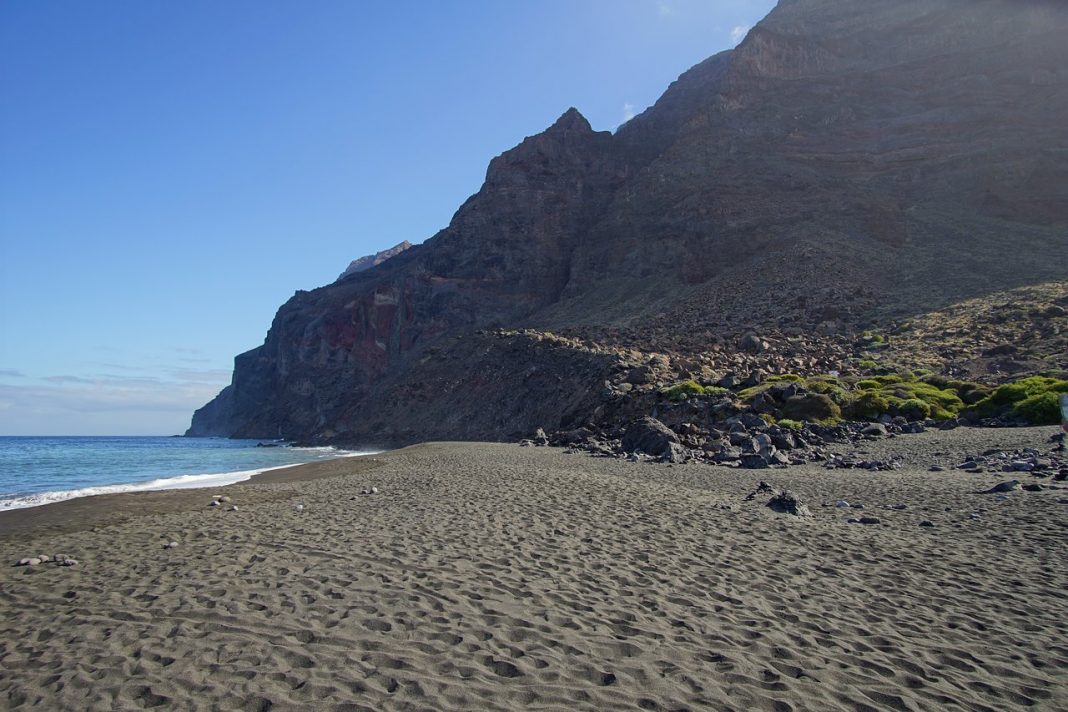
(819, 178)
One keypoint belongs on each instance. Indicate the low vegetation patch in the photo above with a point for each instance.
(918, 395)
(683, 390)
(1035, 399)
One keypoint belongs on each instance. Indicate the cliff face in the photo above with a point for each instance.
(849, 162)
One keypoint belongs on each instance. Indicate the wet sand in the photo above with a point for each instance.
(496, 577)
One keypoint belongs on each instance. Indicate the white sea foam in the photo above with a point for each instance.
(220, 479)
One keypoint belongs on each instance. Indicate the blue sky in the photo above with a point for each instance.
(171, 172)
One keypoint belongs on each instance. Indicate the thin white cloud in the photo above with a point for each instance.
(217, 376)
(70, 399)
(738, 33)
(664, 9)
(157, 409)
(628, 112)
(68, 379)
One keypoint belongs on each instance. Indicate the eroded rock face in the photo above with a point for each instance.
(847, 159)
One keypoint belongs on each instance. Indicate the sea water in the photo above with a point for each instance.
(39, 470)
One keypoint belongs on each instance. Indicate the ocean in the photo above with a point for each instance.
(39, 470)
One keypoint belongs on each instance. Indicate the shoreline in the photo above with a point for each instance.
(85, 512)
(499, 577)
(197, 480)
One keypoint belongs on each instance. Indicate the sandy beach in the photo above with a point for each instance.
(499, 577)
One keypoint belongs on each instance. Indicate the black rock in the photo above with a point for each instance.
(753, 462)
(786, 502)
(650, 436)
(1007, 486)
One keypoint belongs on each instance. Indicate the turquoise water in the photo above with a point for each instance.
(39, 470)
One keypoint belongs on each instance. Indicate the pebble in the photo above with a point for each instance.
(68, 562)
(374, 490)
(927, 523)
(869, 520)
(224, 499)
(299, 507)
(214, 503)
(170, 545)
(936, 468)
(28, 562)
(842, 504)
(233, 508)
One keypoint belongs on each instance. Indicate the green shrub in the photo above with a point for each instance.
(914, 409)
(869, 405)
(903, 394)
(937, 380)
(944, 404)
(716, 391)
(749, 394)
(972, 393)
(1040, 409)
(1036, 391)
(790, 424)
(768, 418)
(682, 391)
(829, 386)
(785, 378)
(814, 407)
(867, 364)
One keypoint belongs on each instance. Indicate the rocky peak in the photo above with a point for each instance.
(563, 151)
(368, 261)
(570, 121)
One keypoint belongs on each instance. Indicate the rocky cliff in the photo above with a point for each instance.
(851, 165)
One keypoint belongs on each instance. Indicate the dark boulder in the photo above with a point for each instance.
(650, 436)
(787, 502)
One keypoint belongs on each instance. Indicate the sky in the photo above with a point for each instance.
(172, 172)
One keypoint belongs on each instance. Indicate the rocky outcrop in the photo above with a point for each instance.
(369, 261)
(850, 164)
